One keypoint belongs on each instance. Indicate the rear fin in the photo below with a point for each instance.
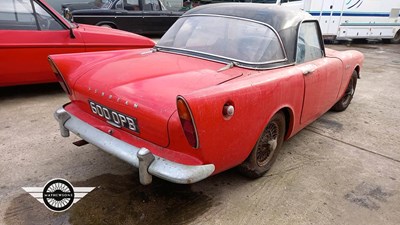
(59, 76)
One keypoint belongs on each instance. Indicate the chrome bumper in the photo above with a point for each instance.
(141, 158)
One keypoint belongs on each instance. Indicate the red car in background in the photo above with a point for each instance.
(224, 87)
(32, 30)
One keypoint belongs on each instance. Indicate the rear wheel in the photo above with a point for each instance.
(344, 102)
(394, 40)
(266, 149)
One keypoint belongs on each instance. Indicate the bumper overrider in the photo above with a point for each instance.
(142, 158)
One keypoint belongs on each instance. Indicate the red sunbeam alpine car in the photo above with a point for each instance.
(31, 30)
(224, 87)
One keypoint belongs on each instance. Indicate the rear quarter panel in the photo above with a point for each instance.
(352, 61)
(256, 96)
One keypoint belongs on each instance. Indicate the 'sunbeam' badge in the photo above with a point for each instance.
(58, 194)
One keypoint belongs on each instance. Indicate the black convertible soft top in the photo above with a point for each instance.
(284, 20)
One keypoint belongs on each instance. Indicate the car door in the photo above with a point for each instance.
(129, 16)
(322, 75)
(29, 33)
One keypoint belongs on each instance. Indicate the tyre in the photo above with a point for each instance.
(266, 149)
(394, 40)
(344, 102)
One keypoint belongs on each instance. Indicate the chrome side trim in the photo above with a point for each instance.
(138, 157)
(225, 62)
(161, 48)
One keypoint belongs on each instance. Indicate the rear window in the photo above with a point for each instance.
(232, 38)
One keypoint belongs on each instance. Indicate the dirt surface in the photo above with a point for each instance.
(342, 169)
(118, 199)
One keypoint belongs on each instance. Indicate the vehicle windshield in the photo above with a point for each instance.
(230, 38)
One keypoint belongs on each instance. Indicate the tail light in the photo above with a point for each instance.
(59, 77)
(187, 122)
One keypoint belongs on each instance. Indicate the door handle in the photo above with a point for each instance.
(308, 69)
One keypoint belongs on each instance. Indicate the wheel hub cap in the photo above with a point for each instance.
(267, 144)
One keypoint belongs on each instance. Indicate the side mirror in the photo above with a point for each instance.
(67, 14)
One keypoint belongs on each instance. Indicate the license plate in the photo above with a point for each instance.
(114, 118)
